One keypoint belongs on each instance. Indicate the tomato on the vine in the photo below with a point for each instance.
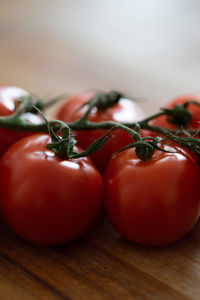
(45, 199)
(154, 202)
(125, 110)
(162, 121)
(8, 96)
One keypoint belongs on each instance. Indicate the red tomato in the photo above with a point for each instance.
(195, 110)
(8, 95)
(44, 199)
(124, 111)
(154, 202)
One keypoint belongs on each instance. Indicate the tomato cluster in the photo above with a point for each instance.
(50, 200)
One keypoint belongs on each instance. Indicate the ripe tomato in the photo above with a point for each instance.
(44, 199)
(195, 110)
(154, 202)
(124, 111)
(8, 95)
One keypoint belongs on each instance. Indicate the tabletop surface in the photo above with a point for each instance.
(161, 59)
(99, 265)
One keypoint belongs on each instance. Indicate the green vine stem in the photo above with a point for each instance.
(16, 122)
(32, 100)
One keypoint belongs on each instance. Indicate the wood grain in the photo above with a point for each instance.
(99, 265)
(47, 59)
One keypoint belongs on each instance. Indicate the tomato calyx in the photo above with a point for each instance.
(179, 115)
(63, 147)
(144, 151)
(145, 147)
(191, 101)
(102, 101)
(63, 144)
(106, 100)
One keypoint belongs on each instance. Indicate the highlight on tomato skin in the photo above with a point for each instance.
(155, 202)
(8, 95)
(125, 110)
(45, 199)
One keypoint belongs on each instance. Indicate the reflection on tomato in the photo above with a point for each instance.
(125, 110)
(8, 95)
(44, 199)
(154, 202)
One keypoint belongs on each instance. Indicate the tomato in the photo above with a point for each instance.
(154, 202)
(125, 110)
(44, 199)
(8, 95)
(195, 110)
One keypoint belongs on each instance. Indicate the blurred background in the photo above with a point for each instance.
(149, 49)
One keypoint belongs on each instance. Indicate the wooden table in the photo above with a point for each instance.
(99, 265)
(41, 54)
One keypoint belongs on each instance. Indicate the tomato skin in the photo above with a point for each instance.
(195, 110)
(154, 202)
(44, 199)
(124, 111)
(8, 95)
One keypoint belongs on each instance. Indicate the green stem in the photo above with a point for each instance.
(18, 124)
(91, 104)
(190, 143)
(21, 108)
(15, 122)
(55, 100)
(87, 125)
(191, 102)
(60, 126)
(152, 117)
(10, 123)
